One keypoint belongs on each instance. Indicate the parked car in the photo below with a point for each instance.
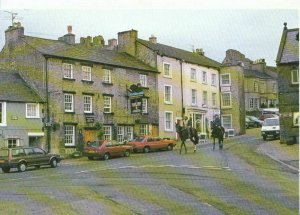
(257, 122)
(271, 128)
(249, 123)
(147, 144)
(106, 149)
(23, 157)
(265, 116)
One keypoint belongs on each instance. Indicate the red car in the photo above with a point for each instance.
(106, 149)
(147, 144)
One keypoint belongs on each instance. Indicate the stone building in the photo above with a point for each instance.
(188, 82)
(252, 86)
(288, 85)
(21, 112)
(85, 88)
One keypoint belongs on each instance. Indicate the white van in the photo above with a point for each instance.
(270, 127)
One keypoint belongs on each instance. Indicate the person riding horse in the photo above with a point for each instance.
(217, 132)
(187, 133)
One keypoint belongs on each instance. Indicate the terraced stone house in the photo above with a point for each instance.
(87, 88)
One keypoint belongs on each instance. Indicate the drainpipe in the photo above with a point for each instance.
(48, 127)
(181, 88)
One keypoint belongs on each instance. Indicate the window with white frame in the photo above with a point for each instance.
(32, 110)
(225, 79)
(68, 70)
(143, 129)
(168, 94)
(194, 97)
(86, 73)
(69, 102)
(144, 105)
(87, 104)
(13, 142)
(129, 132)
(227, 121)
(226, 99)
(204, 77)
(107, 104)
(124, 133)
(120, 134)
(193, 75)
(295, 76)
(107, 132)
(107, 76)
(69, 135)
(167, 70)
(169, 121)
(253, 103)
(213, 79)
(143, 80)
(214, 99)
(204, 98)
(2, 113)
(255, 86)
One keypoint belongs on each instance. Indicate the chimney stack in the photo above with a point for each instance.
(153, 39)
(200, 52)
(69, 37)
(112, 44)
(69, 29)
(13, 33)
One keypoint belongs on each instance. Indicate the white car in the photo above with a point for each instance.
(271, 128)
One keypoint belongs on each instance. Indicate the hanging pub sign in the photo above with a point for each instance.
(135, 95)
(136, 105)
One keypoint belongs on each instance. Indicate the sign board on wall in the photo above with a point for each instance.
(225, 89)
(136, 105)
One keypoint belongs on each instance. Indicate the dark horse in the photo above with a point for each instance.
(185, 134)
(217, 132)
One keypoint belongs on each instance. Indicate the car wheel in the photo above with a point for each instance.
(127, 153)
(37, 166)
(147, 149)
(264, 137)
(22, 167)
(53, 163)
(90, 157)
(106, 156)
(170, 147)
(135, 150)
(5, 169)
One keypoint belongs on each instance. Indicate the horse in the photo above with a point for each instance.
(187, 133)
(218, 132)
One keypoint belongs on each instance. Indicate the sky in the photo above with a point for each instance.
(254, 28)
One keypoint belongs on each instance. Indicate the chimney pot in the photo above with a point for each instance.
(200, 52)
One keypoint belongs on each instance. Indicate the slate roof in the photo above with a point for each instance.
(289, 47)
(56, 48)
(256, 74)
(14, 89)
(190, 57)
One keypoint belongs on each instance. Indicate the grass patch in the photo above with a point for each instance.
(8, 207)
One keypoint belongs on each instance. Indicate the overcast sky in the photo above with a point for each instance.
(254, 29)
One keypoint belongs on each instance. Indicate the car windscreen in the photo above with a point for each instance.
(138, 139)
(3, 153)
(271, 122)
(95, 143)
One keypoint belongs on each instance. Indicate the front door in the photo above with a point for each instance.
(155, 131)
(89, 135)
